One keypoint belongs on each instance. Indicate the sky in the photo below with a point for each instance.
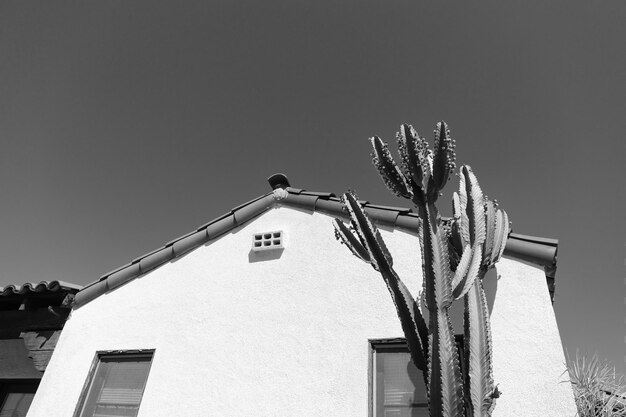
(125, 124)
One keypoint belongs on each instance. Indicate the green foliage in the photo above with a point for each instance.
(597, 390)
(456, 254)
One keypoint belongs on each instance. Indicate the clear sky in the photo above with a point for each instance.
(124, 124)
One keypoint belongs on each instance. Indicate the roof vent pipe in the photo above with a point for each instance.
(278, 181)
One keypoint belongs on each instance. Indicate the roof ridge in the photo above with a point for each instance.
(327, 203)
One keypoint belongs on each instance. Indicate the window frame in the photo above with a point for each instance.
(122, 354)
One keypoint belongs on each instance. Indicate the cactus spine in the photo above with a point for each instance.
(456, 255)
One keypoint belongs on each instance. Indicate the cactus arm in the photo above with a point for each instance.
(445, 386)
(455, 227)
(446, 381)
(345, 236)
(441, 268)
(411, 319)
(500, 233)
(475, 207)
(413, 153)
(460, 275)
(479, 348)
(503, 236)
(472, 274)
(443, 159)
(388, 170)
(463, 222)
(490, 222)
(499, 238)
(456, 206)
(436, 269)
(369, 235)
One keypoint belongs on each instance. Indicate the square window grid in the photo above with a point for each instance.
(267, 241)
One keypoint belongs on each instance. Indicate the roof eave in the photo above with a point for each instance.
(540, 251)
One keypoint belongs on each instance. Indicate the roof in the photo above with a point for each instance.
(43, 293)
(540, 251)
(28, 288)
(31, 318)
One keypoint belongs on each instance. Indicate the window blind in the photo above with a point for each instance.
(400, 386)
(117, 386)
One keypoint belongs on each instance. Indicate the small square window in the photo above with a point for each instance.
(116, 385)
(267, 241)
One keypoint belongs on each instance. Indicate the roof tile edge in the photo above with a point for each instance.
(39, 287)
(540, 251)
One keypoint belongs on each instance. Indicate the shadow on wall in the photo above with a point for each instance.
(267, 255)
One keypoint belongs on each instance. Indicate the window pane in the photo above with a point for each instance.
(117, 386)
(16, 404)
(398, 386)
(400, 389)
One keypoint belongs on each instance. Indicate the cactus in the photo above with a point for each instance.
(456, 255)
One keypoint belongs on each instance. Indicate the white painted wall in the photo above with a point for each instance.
(235, 335)
(527, 352)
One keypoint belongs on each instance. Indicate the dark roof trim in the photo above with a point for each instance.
(537, 250)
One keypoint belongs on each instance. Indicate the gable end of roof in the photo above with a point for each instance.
(540, 251)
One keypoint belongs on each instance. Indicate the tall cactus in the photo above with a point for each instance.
(456, 255)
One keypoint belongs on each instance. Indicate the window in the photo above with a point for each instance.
(398, 388)
(115, 385)
(15, 398)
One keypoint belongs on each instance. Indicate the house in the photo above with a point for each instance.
(32, 316)
(262, 312)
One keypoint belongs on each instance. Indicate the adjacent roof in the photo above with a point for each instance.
(31, 318)
(43, 293)
(540, 251)
(43, 287)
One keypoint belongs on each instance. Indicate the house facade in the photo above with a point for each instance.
(262, 312)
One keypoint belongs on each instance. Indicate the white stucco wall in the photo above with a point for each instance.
(527, 351)
(235, 335)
